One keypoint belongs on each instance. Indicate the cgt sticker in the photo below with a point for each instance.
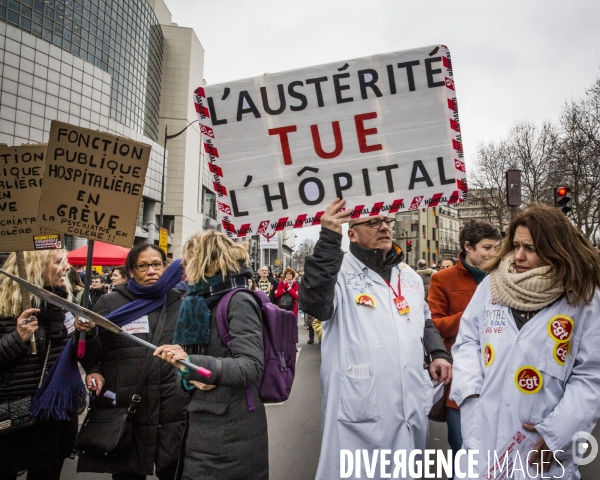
(365, 300)
(529, 379)
(488, 355)
(560, 328)
(561, 352)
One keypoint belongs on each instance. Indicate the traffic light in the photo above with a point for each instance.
(562, 199)
(409, 246)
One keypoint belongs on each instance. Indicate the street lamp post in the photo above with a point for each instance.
(162, 187)
(150, 232)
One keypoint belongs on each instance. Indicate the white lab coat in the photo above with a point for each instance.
(569, 398)
(387, 410)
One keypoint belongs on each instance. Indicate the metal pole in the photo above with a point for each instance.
(86, 293)
(162, 187)
(88, 274)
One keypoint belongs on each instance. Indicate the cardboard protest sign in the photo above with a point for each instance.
(21, 173)
(380, 131)
(93, 184)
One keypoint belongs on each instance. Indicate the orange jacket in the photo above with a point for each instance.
(450, 292)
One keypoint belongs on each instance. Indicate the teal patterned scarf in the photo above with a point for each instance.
(193, 321)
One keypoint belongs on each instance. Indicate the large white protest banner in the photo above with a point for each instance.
(381, 132)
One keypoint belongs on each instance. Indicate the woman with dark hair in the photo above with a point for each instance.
(224, 439)
(76, 285)
(119, 276)
(526, 359)
(147, 307)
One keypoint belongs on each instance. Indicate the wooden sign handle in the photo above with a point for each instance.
(25, 301)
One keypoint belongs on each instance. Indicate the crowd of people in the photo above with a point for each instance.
(509, 328)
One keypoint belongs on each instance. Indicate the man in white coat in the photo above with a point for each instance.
(376, 330)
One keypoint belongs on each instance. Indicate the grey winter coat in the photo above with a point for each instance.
(224, 440)
(426, 274)
(159, 422)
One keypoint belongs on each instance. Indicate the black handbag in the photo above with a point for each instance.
(438, 410)
(106, 431)
(286, 302)
(109, 431)
(14, 413)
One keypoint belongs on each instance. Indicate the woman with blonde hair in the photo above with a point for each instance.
(221, 432)
(41, 448)
(526, 359)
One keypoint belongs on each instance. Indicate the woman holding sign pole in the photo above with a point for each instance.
(526, 359)
(41, 448)
(226, 435)
(147, 307)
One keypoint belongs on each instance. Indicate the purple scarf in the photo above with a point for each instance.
(62, 389)
(149, 298)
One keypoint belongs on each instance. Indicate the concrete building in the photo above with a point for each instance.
(485, 205)
(449, 227)
(276, 252)
(119, 66)
(432, 231)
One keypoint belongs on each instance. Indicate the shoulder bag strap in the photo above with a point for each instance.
(223, 328)
(136, 397)
(222, 320)
(45, 367)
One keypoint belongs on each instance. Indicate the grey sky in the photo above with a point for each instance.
(512, 60)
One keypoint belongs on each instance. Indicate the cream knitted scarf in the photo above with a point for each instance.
(528, 292)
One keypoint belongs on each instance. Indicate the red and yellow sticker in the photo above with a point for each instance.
(561, 352)
(488, 355)
(365, 300)
(401, 305)
(529, 379)
(560, 328)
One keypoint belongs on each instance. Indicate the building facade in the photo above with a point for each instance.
(449, 227)
(486, 205)
(433, 233)
(118, 66)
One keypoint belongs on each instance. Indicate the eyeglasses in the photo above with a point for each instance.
(142, 267)
(376, 222)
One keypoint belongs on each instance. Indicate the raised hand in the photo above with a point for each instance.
(27, 324)
(335, 216)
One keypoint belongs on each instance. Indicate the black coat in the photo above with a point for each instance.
(96, 294)
(159, 422)
(48, 442)
(224, 440)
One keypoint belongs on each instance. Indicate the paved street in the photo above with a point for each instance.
(295, 427)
